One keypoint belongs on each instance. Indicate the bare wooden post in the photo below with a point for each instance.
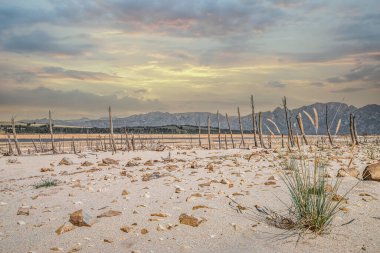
(10, 149)
(241, 128)
(15, 136)
(327, 128)
(270, 140)
(261, 132)
(73, 145)
(300, 125)
(225, 141)
(220, 144)
(35, 147)
(51, 133)
(199, 133)
(41, 147)
(113, 145)
(133, 142)
(354, 130)
(127, 139)
(253, 121)
(229, 127)
(208, 132)
(287, 121)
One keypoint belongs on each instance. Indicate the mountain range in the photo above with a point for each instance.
(367, 119)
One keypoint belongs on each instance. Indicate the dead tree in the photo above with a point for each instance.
(15, 136)
(254, 126)
(208, 132)
(229, 127)
(127, 140)
(327, 127)
(241, 128)
(290, 140)
(51, 133)
(262, 144)
(300, 125)
(219, 139)
(113, 145)
(354, 130)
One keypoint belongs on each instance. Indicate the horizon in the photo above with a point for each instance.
(76, 58)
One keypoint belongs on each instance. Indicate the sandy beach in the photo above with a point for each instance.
(138, 203)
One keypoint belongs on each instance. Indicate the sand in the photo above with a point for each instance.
(97, 189)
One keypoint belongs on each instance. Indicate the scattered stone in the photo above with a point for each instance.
(190, 220)
(150, 176)
(56, 249)
(86, 164)
(124, 193)
(46, 169)
(148, 163)
(132, 163)
(109, 161)
(171, 167)
(199, 207)
(210, 167)
(193, 164)
(160, 228)
(109, 213)
(108, 240)
(144, 231)
(21, 222)
(23, 211)
(271, 178)
(80, 218)
(65, 161)
(372, 172)
(344, 209)
(162, 215)
(66, 227)
(270, 183)
(126, 229)
(194, 195)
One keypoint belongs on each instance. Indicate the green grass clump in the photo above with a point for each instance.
(46, 183)
(312, 202)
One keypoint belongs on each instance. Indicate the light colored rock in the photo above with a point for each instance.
(372, 172)
(126, 229)
(46, 169)
(352, 172)
(109, 213)
(86, 164)
(23, 211)
(109, 161)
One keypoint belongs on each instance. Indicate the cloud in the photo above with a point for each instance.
(363, 72)
(75, 100)
(41, 42)
(317, 84)
(276, 84)
(58, 72)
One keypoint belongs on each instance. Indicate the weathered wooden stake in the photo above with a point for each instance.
(287, 122)
(254, 127)
(133, 142)
(51, 133)
(127, 140)
(229, 127)
(354, 130)
(199, 133)
(10, 149)
(261, 132)
(327, 127)
(208, 132)
(113, 145)
(15, 136)
(225, 141)
(241, 128)
(220, 144)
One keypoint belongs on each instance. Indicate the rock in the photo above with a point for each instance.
(23, 211)
(372, 172)
(199, 207)
(148, 163)
(108, 240)
(271, 178)
(171, 167)
(21, 222)
(225, 181)
(160, 228)
(109, 161)
(123, 173)
(193, 164)
(86, 164)
(126, 229)
(352, 172)
(194, 195)
(131, 164)
(144, 231)
(124, 193)
(80, 218)
(46, 169)
(270, 183)
(210, 167)
(162, 215)
(109, 213)
(65, 161)
(66, 227)
(190, 220)
(56, 249)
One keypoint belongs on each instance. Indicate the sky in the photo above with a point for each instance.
(77, 57)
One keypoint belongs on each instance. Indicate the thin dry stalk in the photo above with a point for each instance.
(15, 136)
(51, 133)
(219, 138)
(208, 132)
(241, 128)
(254, 126)
(229, 127)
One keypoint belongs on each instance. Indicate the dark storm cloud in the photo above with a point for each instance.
(39, 41)
(75, 100)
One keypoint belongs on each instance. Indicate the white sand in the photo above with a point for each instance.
(224, 231)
